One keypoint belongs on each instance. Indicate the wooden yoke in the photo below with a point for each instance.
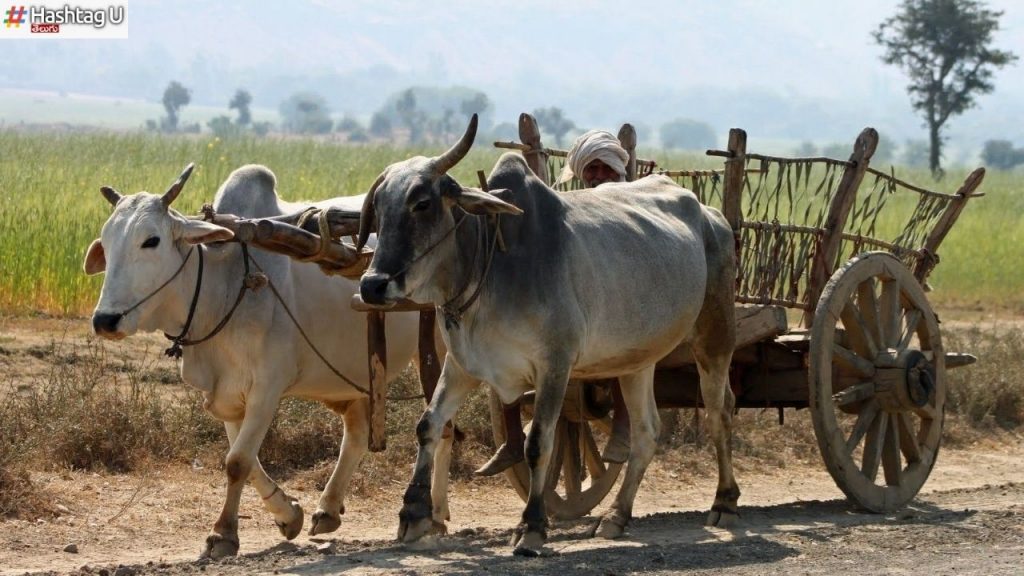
(536, 157)
(945, 224)
(627, 137)
(825, 256)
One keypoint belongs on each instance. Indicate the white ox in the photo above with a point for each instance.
(259, 357)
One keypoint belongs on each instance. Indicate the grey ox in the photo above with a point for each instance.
(593, 284)
(151, 256)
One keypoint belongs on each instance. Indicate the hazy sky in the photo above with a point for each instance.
(654, 56)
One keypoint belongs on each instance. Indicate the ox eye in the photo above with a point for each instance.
(151, 242)
(421, 205)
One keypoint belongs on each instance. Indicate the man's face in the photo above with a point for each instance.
(597, 172)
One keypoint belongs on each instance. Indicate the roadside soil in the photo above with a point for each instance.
(969, 519)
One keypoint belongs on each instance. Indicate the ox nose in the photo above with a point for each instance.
(105, 323)
(374, 287)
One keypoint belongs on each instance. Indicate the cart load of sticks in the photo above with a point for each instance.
(326, 237)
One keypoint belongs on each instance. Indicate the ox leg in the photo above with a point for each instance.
(239, 464)
(439, 483)
(712, 349)
(531, 533)
(288, 515)
(417, 518)
(354, 445)
(644, 425)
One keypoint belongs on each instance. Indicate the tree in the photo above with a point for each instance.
(306, 113)
(175, 98)
(1001, 154)
(380, 125)
(553, 121)
(915, 153)
(241, 101)
(475, 104)
(414, 120)
(687, 134)
(945, 47)
(222, 127)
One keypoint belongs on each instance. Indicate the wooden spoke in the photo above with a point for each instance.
(927, 412)
(908, 439)
(850, 360)
(864, 420)
(591, 454)
(572, 465)
(873, 446)
(858, 331)
(892, 464)
(913, 319)
(889, 313)
(855, 393)
(868, 305)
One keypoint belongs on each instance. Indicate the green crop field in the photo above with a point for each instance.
(50, 206)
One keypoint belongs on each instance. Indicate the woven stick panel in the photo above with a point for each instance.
(893, 215)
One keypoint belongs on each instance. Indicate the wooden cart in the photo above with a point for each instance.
(832, 315)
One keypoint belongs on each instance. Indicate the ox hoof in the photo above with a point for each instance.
(323, 522)
(528, 544)
(291, 526)
(722, 519)
(611, 526)
(412, 530)
(218, 547)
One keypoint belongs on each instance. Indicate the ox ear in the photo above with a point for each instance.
(199, 232)
(476, 201)
(95, 259)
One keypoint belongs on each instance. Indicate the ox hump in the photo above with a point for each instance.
(248, 191)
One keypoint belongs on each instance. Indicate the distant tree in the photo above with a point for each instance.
(241, 101)
(306, 113)
(505, 131)
(414, 120)
(687, 134)
(222, 127)
(945, 47)
(475, 104)
(553, 121)
(837, 150)
(885, 151)
(1001, 154)
(806, 149)
(261, 128)
(348, 124)
(175, 98)
(915, 153)
(380, 125)
(358, 135)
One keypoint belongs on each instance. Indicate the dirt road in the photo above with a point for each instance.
(969, 520)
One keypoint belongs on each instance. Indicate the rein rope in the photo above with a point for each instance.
(453, 314)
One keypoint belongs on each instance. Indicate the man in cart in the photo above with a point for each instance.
(596, 157)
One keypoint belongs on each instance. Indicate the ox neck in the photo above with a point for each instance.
(468, 263)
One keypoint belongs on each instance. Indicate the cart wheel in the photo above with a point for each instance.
(877, 381)
(578, 480)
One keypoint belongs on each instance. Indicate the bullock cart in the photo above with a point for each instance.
(831, 312)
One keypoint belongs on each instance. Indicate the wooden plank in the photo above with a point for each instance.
(430, 365)
(401, 306)
(945, 224)
(735, 174)
(627, 137)
(378, 361)
(536, 156)
(838, 211)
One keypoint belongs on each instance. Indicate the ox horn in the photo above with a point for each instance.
(367, 216)
(175, 189)
(445, 162)
(112, 196)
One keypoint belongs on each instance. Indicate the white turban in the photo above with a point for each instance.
(594, 145)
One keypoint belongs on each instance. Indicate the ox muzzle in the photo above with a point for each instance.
(105, 325)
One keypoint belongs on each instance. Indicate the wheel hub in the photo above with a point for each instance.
(904, 382)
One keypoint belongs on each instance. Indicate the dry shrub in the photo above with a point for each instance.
(990, 393)
(94, 412)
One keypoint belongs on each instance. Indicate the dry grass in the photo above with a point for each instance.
(96, 411)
